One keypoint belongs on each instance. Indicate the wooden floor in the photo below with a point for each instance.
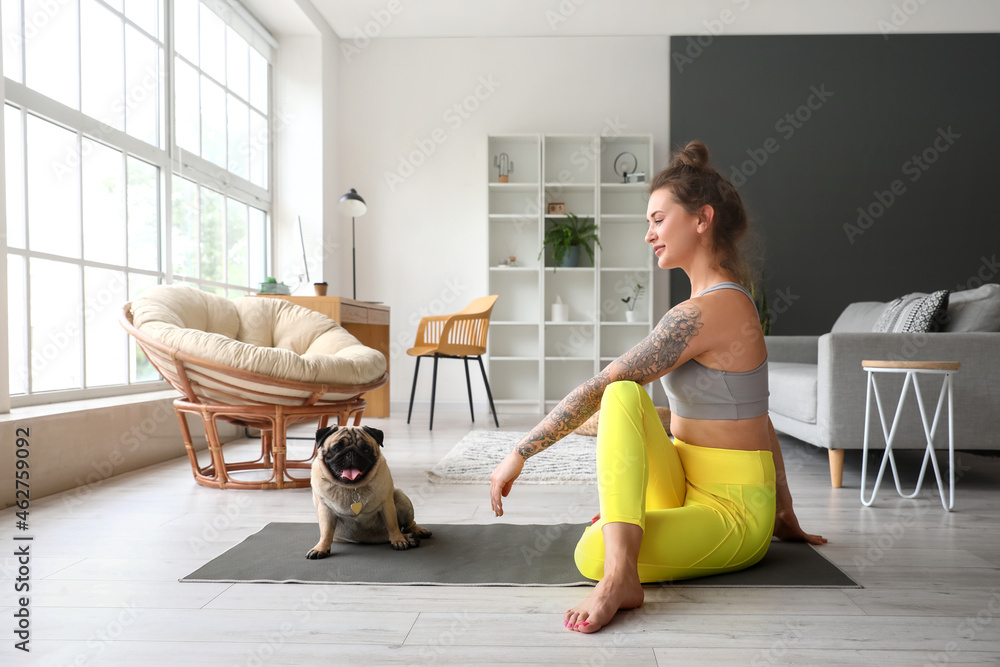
(105, 561)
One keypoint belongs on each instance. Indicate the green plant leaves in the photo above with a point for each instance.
(561, 235)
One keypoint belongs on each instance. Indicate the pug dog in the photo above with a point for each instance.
(354, 495)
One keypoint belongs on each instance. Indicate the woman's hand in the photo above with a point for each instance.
(503, 478)
(786, 529)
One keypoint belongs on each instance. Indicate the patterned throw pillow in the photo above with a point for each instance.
(914, 313)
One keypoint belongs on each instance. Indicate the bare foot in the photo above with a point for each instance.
(613, 592)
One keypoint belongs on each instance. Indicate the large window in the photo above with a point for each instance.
(221, 94)
(105, 198)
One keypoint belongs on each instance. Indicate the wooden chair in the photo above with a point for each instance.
(462, 336)
(215, 391)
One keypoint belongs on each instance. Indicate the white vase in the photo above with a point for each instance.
(630, 316)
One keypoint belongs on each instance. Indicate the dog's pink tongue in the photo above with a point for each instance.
(351, 473)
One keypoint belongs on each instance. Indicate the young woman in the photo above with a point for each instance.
(709, 501)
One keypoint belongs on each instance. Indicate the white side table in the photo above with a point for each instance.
(912, 369)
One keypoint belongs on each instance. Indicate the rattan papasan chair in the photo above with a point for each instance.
(254, 362)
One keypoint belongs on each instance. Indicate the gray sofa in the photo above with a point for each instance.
(818, 387)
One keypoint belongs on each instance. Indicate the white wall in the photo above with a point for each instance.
(422, 244)
(306, 155)
(332, 187)
(299, 158)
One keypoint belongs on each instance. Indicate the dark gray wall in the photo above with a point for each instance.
(811, 128)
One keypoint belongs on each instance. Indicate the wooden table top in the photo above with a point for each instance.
(917, 365)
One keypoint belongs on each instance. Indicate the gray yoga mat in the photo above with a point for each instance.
(475, 555)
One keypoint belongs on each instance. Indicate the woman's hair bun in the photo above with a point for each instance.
(694, 155)
(694, 183)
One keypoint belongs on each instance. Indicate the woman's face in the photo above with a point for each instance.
(672, 230)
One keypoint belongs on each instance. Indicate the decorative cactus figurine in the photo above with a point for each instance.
(503, 163)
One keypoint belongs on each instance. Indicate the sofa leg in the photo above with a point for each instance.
(836, 468)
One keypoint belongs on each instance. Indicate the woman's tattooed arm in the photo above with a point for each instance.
(651, 358)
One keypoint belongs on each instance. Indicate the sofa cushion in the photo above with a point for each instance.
(975, 309)
(914, 313)
(793, 390)
(858, 317)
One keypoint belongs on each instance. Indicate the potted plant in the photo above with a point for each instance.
(631, 301)
(566, 237)
(760, 300)
(272, 286)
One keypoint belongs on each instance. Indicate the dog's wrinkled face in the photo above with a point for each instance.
(349, 453)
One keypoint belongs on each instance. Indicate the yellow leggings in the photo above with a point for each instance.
(703, 510)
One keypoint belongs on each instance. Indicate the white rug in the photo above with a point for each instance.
(572, 460)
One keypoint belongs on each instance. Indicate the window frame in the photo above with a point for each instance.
(171, 161)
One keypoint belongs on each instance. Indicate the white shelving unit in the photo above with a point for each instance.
(534, 362)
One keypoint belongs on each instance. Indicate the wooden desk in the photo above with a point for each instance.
(367, 322)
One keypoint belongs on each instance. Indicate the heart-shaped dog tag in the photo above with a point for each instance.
(356, 508)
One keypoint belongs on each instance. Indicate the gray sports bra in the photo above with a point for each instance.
(699, 392)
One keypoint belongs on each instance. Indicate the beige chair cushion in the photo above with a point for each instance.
(271, 337)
